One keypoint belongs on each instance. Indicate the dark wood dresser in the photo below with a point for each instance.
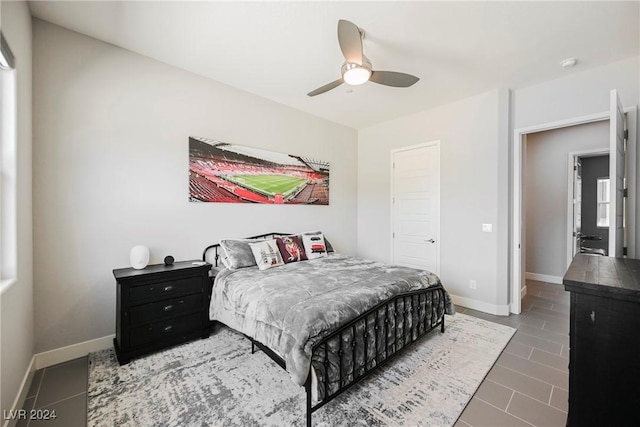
(160, 306)
(604, 359)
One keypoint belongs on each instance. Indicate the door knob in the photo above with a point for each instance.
(430, 241)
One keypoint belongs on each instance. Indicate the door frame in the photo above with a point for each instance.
(519, 138)
(517, 253)
(572, 155)
(435, 143)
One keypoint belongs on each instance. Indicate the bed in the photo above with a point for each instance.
(331, 321)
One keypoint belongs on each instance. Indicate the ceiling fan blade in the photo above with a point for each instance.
(326, 87)
(391, 78)
(350, 41)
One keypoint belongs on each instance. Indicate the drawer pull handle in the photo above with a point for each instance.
(168, 328)
(168, 307)
(593, 316)
(168, 288)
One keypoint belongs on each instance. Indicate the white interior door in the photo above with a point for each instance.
(616, 176)
(416, 207)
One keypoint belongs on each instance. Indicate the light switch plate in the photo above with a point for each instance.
(487, 228)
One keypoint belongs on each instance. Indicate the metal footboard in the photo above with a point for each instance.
(396, 323)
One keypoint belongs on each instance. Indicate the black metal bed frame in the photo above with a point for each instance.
(405, 329)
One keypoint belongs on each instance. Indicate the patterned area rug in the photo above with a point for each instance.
(218, 382)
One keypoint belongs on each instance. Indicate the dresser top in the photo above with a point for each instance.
(605, 276)
(122, 273)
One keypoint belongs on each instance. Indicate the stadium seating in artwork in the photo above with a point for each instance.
(227, 173)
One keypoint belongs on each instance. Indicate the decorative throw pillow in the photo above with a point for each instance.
(291, 248)
(266, 254)
(326, 241)
(314, 245)
(238, 253)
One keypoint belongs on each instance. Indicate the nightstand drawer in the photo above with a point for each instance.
(165, 309)
(159, 330)
(164, 290)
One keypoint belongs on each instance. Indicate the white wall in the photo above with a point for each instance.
(546, 192)
(473, 135)
(579, 94)
(17, 336)
(111, 132)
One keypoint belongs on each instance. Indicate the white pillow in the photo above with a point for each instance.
(314, 245)
(237, 253)
(266, 254)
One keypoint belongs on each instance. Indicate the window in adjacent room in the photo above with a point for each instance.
(604, 200)
(8, 147)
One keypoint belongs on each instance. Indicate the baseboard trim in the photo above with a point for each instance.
(523, 292)
(70, 352)
(543, 278)
(498, 310)
(22, 393)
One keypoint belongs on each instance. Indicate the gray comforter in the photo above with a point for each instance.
(289, 308)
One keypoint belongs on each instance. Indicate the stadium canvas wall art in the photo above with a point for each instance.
(229, 173)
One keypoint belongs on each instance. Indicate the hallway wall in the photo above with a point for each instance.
(546, 192)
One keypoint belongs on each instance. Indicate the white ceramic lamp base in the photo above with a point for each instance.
(139, 257)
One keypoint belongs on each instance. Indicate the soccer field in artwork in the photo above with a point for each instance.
(269, 184)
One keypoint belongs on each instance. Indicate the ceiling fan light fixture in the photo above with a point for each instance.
(356, 74)
(357, 69)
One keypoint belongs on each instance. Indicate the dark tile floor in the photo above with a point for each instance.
(526, 387)
(59, 390)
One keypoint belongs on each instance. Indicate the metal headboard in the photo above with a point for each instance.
(216, 246)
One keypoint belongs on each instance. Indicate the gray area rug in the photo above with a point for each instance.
(218, 382)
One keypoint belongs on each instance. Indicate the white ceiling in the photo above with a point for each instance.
(283, 50)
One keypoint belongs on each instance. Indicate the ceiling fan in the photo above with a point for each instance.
(357, 68)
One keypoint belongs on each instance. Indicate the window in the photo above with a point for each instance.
(8, 146)
(603, 201)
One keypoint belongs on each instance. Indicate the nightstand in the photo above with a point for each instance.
(160, 306)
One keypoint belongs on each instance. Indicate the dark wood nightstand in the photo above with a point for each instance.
(160, 306)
